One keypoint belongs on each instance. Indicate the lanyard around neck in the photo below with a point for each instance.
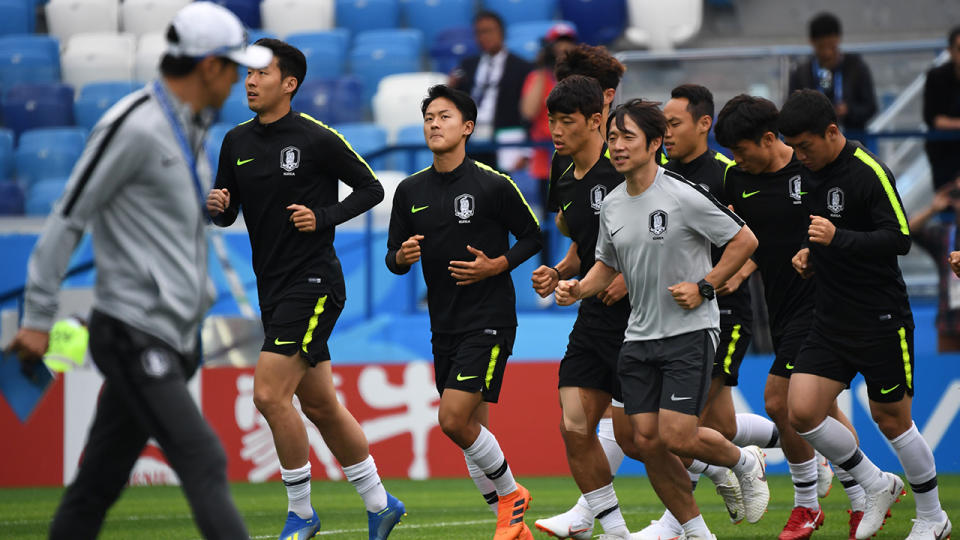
(188, 154)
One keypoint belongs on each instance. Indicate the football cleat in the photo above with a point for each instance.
(931, 530)
(510, 511)
(570, 524)
(665, 528)
(855, 518)
(878, 505)
(753, 485)
(729, 490)
(803, 521)
(380, 524)
(824, 477)
(297, 528)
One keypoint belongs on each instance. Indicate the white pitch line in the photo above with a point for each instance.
(403, 526)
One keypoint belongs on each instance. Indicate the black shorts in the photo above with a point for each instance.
(591, 360)
(301, 321)
(670, 373)
(885, 360)
(473, 361)
(734, 342)
(787, 344)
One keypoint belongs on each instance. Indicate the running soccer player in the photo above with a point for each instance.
(588, 370)
(862, 322)
(765, 188)
(455, 216)
(282, 168)
(672, 332)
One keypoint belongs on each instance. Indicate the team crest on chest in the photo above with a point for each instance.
(463, 207)
(597, 193)
(658, 224)
(289, 159)
(795, 185)
(835, 199)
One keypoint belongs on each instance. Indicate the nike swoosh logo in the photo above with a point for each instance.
(751, 194)
(462, 378)
(566, 205)
(789, 365)
(573, 532)
(673, 397)
(616, 231)
(414, 209)
(277, 341)
(888, 390)
(244, 161)
(809, 525)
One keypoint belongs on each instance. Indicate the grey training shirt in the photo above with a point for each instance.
(658, 239)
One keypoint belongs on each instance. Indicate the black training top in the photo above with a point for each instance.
(859, 284)
(472, 205)
(580, 201)
(708, 169)
(295, 160)
(771, 205)
(559, 165)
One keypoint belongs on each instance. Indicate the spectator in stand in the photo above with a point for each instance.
(843, 77)
(941, 111)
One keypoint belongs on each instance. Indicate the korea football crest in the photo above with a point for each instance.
(795, 185)
(289, 160)
(597, 193)
(658, 224)
(464, 206)
(835, 200)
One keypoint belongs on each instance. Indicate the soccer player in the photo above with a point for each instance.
(765, 188)
(282, 168)
(671, 336)
(862, 322)
(455, 217)
(588, 370)
(137, 183)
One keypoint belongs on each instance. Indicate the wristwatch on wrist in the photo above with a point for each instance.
(706, 289)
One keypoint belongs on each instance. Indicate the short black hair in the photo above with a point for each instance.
(824, 25)
(699, 99)
(646, 114)
(290, 60)
(745, 118)
(591, 61)
(806, 111)
(487, 14)
(576, 93)
(953, 35)
(461, 100)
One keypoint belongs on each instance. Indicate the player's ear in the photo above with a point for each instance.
(468, 127)
(290, 84)
(704, 123)
(595, 120)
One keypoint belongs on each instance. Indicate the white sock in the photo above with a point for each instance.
(696, 527)
(583, 508)
(367, 482)
(855, 493)
(694, 479)
(486, 453)
(755, 429)
(670, 521)
(747, 462)
(921, 471)
(485, 485)
(804, 477)
(603, 503)
(609, 443)
(837, 443)
(297, 482)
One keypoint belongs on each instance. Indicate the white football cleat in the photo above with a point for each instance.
(931, 530)
(824, 476)
(729, 490)
(877, 505)
(570, 524)
(753, 485)
(665, 528)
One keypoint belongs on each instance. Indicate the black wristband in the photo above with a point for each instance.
(554, 268)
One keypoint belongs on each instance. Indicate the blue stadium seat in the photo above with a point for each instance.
(42, 195)
(598, 21)
(373, 62)
(30, 106)
(326, 52)
(6, 154)
(48, 153)
(524, 39)
(416, 160)
(521, 11)
(365, 138)
(432, 17)
(11, 199)
(362, 15)
(28, 58)
(452, 46)
(96, 98)
(235, 109)
(347, 105)
(315, 98)
(214, 141)
(248, 11)
(407, 39)
(17, 17)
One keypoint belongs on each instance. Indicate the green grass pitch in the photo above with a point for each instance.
(438, 509)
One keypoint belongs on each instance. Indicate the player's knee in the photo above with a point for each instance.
(452, 425)
(575, 424)
(803, 419)
(319, 412)
(776, 406)
(892, 425)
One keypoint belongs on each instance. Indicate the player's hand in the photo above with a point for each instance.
(218, 201)
(409, 251)
(686, 294)
(730, 286)
(544, 280)
(303, 218)
(821, 230)
(567, 292)
(470, 272)
(801, 263)
(614, 292)
(955, 262)
(30, 346)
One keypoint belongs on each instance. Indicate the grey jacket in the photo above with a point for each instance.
(133, 185)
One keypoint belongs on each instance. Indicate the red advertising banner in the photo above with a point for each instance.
(33, 451)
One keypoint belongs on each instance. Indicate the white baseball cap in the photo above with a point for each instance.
(208, 29)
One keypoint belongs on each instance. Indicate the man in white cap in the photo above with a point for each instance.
(141, 182)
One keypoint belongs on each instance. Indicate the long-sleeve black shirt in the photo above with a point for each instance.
(856, 88)
(470, 205)
(295, 160)
(941, 96)
(859, 286)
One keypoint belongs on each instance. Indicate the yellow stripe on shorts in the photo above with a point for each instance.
(731, 348)
(905, 349)
(317, 310)
(494, 354)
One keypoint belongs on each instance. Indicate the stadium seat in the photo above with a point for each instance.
(146, 61)
(65, 18)
(214, 141)
(42, 196)
(432, 17)
(363, 15)
(140, 17)
(524, 39)
(406, 39)
(11, 199)
(95, 98)
(451, 46)
(284, 17)
(521, 11)
(315, 98)
(416, 160)
(326, 52)
(598, 21)
(98, 57)
(365, 138)
(389, 179)
(28, 58)
(348, 105)
(29, 106)
(397, 101)
(235, 109)
(248, 11)
(373, 62)
(660, 26)
(16, 17)
(6, 154)
(48, 153)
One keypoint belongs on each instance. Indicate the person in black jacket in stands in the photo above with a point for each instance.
(941, 111)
